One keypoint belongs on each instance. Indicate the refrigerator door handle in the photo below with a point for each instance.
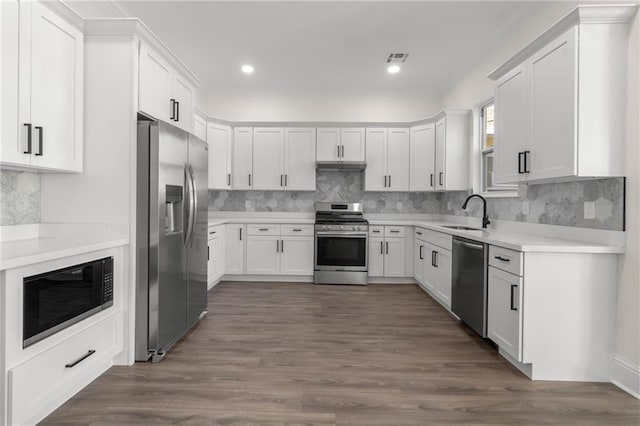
(188, 206)
(194, 204)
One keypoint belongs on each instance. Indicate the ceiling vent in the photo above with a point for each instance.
(397, 58)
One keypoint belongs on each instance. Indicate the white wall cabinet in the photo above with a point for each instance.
(387, 154)
(300, 159)
(341, 144)
(422, 161)
(268, 154)
(452, 151)
(200, 127)
(220, 140)
(387, 252)
(559, 106)
(280, 249)
(46, 52)
(163, 93)
(235, 245)
(242, 155)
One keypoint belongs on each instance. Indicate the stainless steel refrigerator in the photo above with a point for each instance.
(171, 236)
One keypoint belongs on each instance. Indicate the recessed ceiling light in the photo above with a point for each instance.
(393, 69)
(247, 69)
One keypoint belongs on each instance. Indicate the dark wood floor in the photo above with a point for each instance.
(299, 354)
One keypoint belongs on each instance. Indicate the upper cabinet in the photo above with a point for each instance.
(341, 144)
(219, 138)
(163, 93)
(387, 154)
(42, 89)
(560, 101)
(439, 153)
(242, 158)
(200, 127)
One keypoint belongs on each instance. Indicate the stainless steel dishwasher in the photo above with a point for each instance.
(469, 283)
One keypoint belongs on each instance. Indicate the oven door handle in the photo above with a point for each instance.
(341, 234)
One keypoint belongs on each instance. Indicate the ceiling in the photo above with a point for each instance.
(329, 46)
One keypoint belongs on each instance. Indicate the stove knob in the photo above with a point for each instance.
(341, 227)
(355, 228)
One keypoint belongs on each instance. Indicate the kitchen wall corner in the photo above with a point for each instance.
(19, 198)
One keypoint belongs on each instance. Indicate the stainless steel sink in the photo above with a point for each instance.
(461, 228)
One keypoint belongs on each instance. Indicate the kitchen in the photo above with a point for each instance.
(277, 148)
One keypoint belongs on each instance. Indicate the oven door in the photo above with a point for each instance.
(336, 251)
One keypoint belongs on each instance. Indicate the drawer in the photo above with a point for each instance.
(303, 230)
(214, 231)
(42, 383)
(439, 239)
(420, 233)
(394, 231)
(376, 231)
(506, 259)
(263, 229)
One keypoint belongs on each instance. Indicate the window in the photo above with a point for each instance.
(487, 145)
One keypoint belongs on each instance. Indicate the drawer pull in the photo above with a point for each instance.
(504, 259)
(297, 230)
(79, 360)
(263, 229)
(394, 231)
(376, 231)
(418, 233)
(212, 232)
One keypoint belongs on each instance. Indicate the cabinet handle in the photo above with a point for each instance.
(418, 233)
(208, 254)
(504, 259)
(376, 231)
(381, 247)
(338, 151)
(440, 179)
(28, 126)
(285, 179)
(281, 246)
(420, 253)
(520, 155)
(240, 234)
(79, 360)
(526, 161)
(389, 181)
(212, 232)
(434, 259)
(297, 230)
(40, 136)
(431, 180)
(172, 102)
(281, 180)
(385, 181)
(249, 179)
(228, 179)
(387, 244)
(277, 246)
(342, 150)
(394, 231)
(177, 111)
(263, 229)
(513, 298)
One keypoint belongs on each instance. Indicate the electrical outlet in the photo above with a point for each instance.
(399, 205)
(525, 208)
(247, 204)
(589, 210)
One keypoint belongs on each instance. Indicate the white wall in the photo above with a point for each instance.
(319, 108)
(475, 88)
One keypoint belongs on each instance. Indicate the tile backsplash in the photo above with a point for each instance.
(19, 198)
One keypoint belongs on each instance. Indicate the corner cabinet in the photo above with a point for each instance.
(560, 106)
(422, 158)
(163, 93)
(42, 76)
(387, 154)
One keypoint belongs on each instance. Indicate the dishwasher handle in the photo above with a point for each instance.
(468, 245)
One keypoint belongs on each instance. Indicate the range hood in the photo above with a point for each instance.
(341, 165)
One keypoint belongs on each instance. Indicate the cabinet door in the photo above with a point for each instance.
(300, 159)
(327, 144)
(268, 158)
(422, 158)
(219, 140)
(443, 266)
(183, 95)
(234, 238)
(242, 155)
(418, 261)
(504, 307)
(219, 253)
(13, 132)
(430, 270)
(376, 257)
(263, 254)
(394, 258)
(155, 85)
(296, 255)
(211, 260)
(398, 159)
(441, 140)
(553, 142)
(57, 66)
(352, 144)
(200, 127)
(511, 126)
(376, 171)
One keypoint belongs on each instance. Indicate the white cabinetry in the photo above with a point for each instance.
(280, 249)
(235, 244)
(560, 106)
(387, 154)
(345, 144)
(219, 138)
(268, 155)
(504, 318)
(387, 252)
(215, 254)
(452, 151)
(242, 170)
(422, 161)
(200, 127)
(163, 93)
(42, 89)
(433, 264)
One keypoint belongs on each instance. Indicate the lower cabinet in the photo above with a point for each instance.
(432, 264)
(504, 316)
(280, 250)
(215, 254)
(387, 251)
(234, 248)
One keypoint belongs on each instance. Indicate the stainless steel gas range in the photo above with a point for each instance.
(341, 234)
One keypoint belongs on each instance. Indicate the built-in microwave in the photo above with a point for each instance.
(55, 300)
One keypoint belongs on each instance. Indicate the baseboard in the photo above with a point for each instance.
(270, 278)
(626, 376)
(213, 283)
(385, 280)
(526, 369)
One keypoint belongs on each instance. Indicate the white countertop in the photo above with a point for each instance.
(54, 241)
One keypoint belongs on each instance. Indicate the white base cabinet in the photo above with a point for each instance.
(387, 251)
(235, 246)
(504, 319)
(432, 264)
(280, 249)
(215, 254)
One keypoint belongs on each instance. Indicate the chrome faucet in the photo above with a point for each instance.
(485, 218)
